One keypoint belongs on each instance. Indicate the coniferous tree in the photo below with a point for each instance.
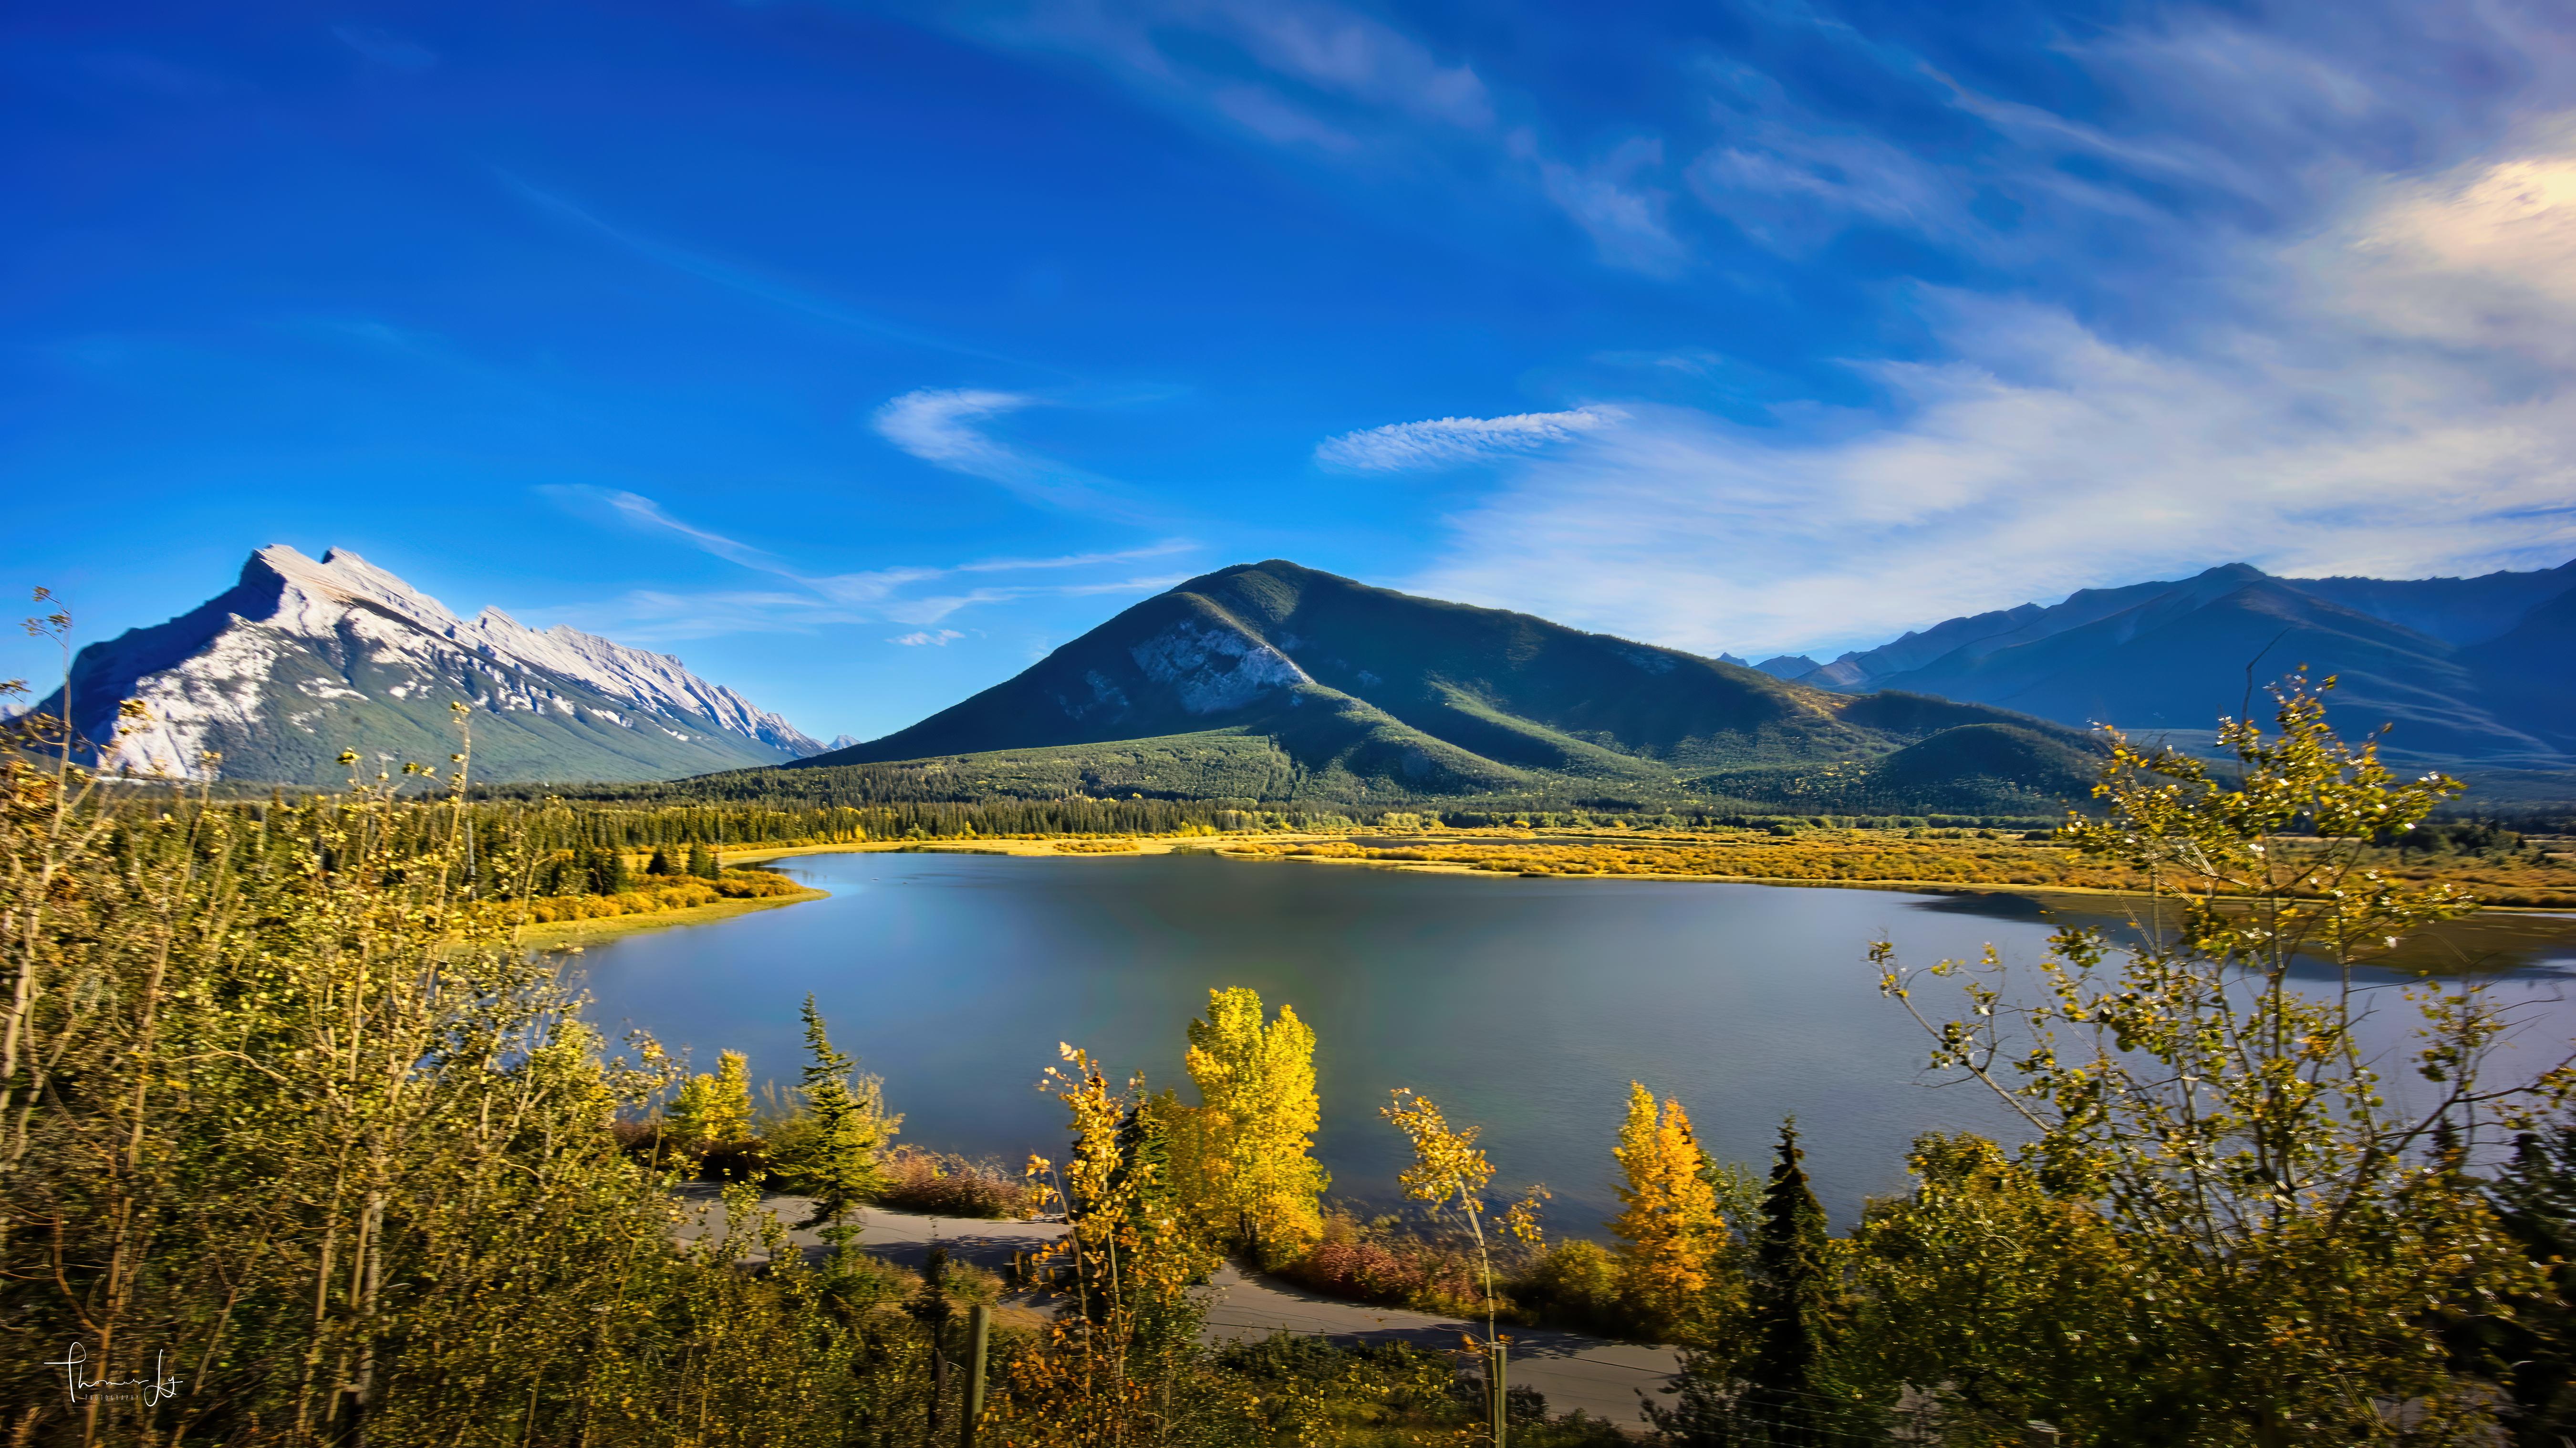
(702, 862)
(2535, 1196)
(660, 865)
(607, 872)
(1794, 1302)
(1784, 1387)
(1143, 1180)
(835, 1157)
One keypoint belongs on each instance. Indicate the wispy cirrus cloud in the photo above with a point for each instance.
(2405, 405)
(774, 291)
(799, 600)
(928, 638)
(1625, 215)
(1449, 441)
(1334, 81)
(942, 427)
(1163, 549)
(385, 47)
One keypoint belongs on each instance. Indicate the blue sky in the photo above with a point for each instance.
(860, 354)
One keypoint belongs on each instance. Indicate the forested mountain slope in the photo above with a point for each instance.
(1339, 684)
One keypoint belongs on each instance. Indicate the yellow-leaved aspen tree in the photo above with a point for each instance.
(715, 1109)
(1670, 1233)
(1257, 1088)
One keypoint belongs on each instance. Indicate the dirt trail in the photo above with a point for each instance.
(1603, 1378)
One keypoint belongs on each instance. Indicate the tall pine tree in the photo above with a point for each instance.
(2535, 1198)
(835, 1159)
(1779, 1389)
(607, 872)
(1795, 1304)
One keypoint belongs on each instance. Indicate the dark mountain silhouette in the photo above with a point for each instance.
(2470, 670)
(2528, 673)
(1354, 684)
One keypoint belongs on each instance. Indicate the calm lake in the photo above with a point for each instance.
(1522, 1005)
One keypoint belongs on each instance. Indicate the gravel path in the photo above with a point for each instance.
(1603, 1378)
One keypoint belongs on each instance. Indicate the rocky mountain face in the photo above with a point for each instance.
(2470, 670)
(301, 659)
(1364, 684)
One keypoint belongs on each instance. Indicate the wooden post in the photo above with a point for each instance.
(938, 1377)
(933, 1310)
(979, 1334)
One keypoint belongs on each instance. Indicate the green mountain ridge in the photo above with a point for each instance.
(1274, 682)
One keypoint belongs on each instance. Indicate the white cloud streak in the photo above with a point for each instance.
(941, 638)
(1164, 549)
(747, 281)
(1449, 441)
(1331, 80)
(1625, 217)
(386, 47)
(938, 426)
(2406, 406)
(806, 601)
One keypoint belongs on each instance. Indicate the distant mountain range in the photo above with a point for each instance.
(300, 660)
(1271, 681)
(2478, 671)
(1275, 681)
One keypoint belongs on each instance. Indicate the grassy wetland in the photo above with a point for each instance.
(2511, 873)
(2506, 869)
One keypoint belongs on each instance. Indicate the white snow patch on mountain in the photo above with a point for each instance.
(295, 626)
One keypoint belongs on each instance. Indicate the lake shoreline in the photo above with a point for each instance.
(1222, 847)
(575, 934)
(569, 936)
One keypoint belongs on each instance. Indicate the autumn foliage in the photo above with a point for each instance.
(1258, 1115)
(1671, 1239)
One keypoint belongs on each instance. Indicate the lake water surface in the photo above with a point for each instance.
(1522, 1005)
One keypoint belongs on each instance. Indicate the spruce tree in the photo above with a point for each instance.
(660, 864)
(607, 872)
(702, 862)
(1794, 1306)
(2535, 1197)
(837, 1160)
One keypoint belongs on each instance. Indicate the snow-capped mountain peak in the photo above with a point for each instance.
(647, 678)
(301, 659)
(342, 580)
